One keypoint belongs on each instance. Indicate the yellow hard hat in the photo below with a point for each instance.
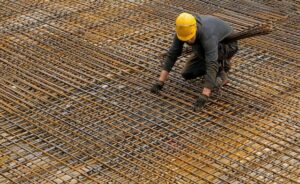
(185, 26)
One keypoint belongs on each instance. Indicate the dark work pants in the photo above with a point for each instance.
(195, 66)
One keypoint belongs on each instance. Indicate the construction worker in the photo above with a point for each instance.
(210, 58)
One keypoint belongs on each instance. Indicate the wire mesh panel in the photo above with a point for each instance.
(75, 104)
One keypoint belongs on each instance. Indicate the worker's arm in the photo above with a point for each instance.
(209, 83)
(212, 65)
(172, 55)
(210, 77)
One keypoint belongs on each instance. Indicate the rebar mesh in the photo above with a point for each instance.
(75, 105)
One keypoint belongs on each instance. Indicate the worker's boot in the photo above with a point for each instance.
(224, 78)
(221, 81)
(218, 88)
(224, 70)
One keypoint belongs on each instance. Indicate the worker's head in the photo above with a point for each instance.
(186, 27)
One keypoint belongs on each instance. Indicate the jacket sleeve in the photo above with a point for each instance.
(212, 64)
(173, 53)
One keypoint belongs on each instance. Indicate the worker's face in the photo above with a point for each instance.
(191, 41)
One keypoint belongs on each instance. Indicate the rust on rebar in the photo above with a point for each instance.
(75, 104)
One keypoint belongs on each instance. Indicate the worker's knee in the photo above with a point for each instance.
(188, 75)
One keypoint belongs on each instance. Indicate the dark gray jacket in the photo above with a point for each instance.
(210, 31)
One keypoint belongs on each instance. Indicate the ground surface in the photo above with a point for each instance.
(75, 105)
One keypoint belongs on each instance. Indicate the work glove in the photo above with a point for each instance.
(157, 87)
(200, 102)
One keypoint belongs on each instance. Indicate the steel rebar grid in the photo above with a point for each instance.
(76, 106)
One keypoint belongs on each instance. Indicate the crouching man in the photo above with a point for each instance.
(210, 58)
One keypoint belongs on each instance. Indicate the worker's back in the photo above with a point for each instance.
(210, 31)
(211, 26)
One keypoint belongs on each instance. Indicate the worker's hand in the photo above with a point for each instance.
(157, 87)
(200, 102)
